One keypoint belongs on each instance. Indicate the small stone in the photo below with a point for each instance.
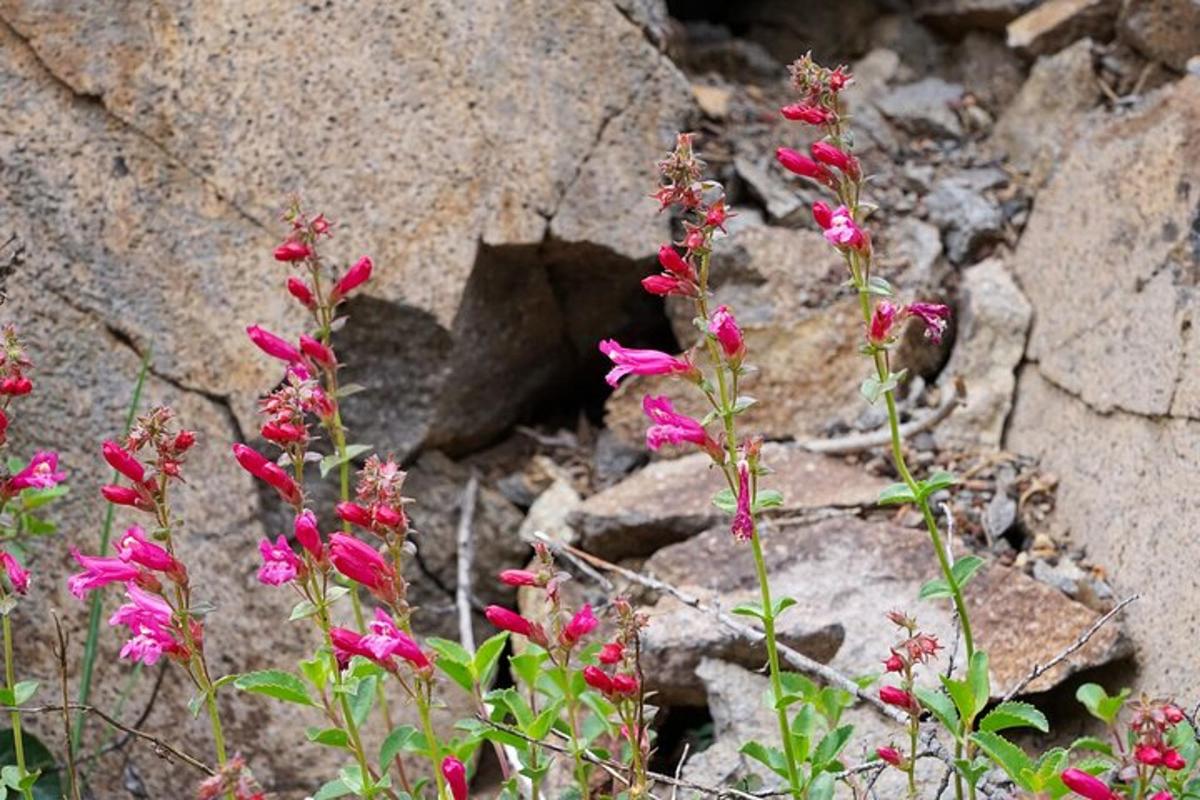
(967, 217)
(1000, 516)
(1163, 30)
(924, 108)
(713, 100)
(1064, 576)
(550, 513)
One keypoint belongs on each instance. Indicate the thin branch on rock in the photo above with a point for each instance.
(61, 653)
(466, 555)
(1041, 669)
(161, 748)
(882, 437)
(568, 553)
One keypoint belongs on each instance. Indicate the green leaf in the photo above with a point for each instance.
(275, 683)
(934, 589)
(767, 498)
(822, 787)
(19, 694)
(771, 757)
(1099, 703)
(977, 678)
(540, 727)
(870, 389)
(347, 389)
(332, 789)
(1007, 755)
(335, 460)
(783, 604)
(362, 700)
(750, 609)
(450, 649)
(1014, 714)
(404, 739)
(725, 501)
(940, 705)
(935, 483)
(39, 763)
(744, 402)
(32, 499)
(302, 610)
(879, 286)
(486, 657)
(330, 737)
(1093, 744)
(962, 696)
(896, 494)
(528, 665)
(457, 672)
(831, 746)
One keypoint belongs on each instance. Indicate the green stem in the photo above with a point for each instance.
(576, 748)
(435, 750)
(10, 680)
(348, 718)
(914, 726)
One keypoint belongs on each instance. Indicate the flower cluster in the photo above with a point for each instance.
(233, 779)
(916, 648)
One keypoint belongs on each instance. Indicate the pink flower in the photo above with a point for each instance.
(1172, 760)
(346, 644)
(625, 684)
(717, 214)
(630, 361)
(273, 345)
(1087, 786)
(456, 777)
(18, 576)
(813, 115)
(894, 696)
(802, 165)
(292, 250)
(843, 232)
(934, 315)
(283, 433)
(99, 571)
(822, 215)
(123, 461)
(743, 524)
(363, 564)
(611, 653)
(598, 679)
(1148, 754)
(511, 621)
(127, 496)
(663, 285)
(890, 755)
(133, 547)
(518, 577)
(583, 623)
(832, 156)
(354, 514)
(670, 427)
(1172, 714)
(16, 385)
(149, 619)
(356, 276)
(386, 640)
(280, 564)
(317, 351)
(307, 533)
(183, 441)
(670, 260)
(883, 320)
(300, 290)
(729, 335)
(1161, 796)
(38, 474)
(894, 663)
(257, 465)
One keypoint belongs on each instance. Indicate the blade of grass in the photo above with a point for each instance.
(93, 634)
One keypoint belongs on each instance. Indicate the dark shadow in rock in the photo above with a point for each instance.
(677, 727)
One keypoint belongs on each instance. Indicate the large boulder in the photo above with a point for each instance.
(1111, 392)
(1164, 30)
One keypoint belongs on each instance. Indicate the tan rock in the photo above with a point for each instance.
(672, 500)
(1053, 25)
(1166, 31)
(713, 100)
(960, 15)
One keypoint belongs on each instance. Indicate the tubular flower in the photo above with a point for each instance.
(283, 433)
(670, 260)
(935, 317)
(123, 462)
(891, 756)
(883, 321)
(611, 653)
(1172, 760)
(598, 679)
(899, 698)
(126, 496)
(39, 473)
(802, 165)
(356, 276)
(271, 473)
(456, 777)
(832, 156)
(801, 112)
(100, 571)
(347, 644)
(18, 576)
(1161, 796)
(362, 563)
(280, 564)
(16, 385)
(149, 619)
(307, 533)
(318, 352)
(354, 514)
(664, 285)
(1149, 755)
(518, 577)
(630, 361)
(843, 232)
(508, 620)
(625, 684)
(671, 427)
(292, 250)
(822, 215)
(1087, 786)
(272, 345)
(133, 547)
(729, 335)
(386, 640)
(300, 290)
(742, 526)
(894, 663)
(583, 623)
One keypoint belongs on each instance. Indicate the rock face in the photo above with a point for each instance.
(959, 15)
(924, 108)
(1164, 30)
(1052, 25)
(1111, 401)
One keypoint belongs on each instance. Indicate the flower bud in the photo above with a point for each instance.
(670, 260)
(354, 514)
(300, 290)
(317, 351)
(292, 250)
(583, 623)
(800, 112)
(625, 684)
(828, 154)
(1172, 760)
(894, 696)
(803, 166)
(18, 576)
(890, 755)
(123, 462)
(1087, 786)
(1148, 754)
(894, 663)
(611, 653)
(16, 385)
(184, 441)
(729, 335)
(822, 215)
(126, 496)
(356, 276)
(518, 577)
(456, 777)
(307, 533)
(283, 433)
(272, 345)
(507, 620)
(598, 679)
(663, 285)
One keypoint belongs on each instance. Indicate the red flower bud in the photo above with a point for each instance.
(518, 577)
(354, 514)
(16, 385)
(894, 696)
(894, 663)
(813, 115)
(507, 620)
(456, 777)
(663, 285)
(891, 755)
(803, 166)
(583, 623)
(300, 290)
(1087, 786)
(670, 260)
(822, 215)
(268, 471)
(611, 653)
(307, 533)
(1172, 714)
(625, 684)
(184, 441)
(123, 462)
(272, 345)
(598, 679)
(356, 276)
(126, 496)
(1172, 760)
(828, 154)
(1149, 755)
(283, 432)
(317, 351)
(292, 250)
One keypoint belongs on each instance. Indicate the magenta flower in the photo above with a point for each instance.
(268, 471)
(883, 320)
(742, 526)
(292, 250)
(346, 644)
(356, 276)
(822, 215)
(1087, 786)
(355, 514)
(363, 564)
(300, 290)
(894, 696)
(583, 623)
(518, 577)
(272, 345)
(664, 285)
(507, 620)
(456, 777)
(16, 385)
(386, 640)
(890, 755)
(99, 571)
(802, 165)
(280, 564)
(630, 361)
(800, 112)
(123, 462)
(935, 317)
(729, 335)
(40, 473)
(843, 232)
(671, 427)
(832, 156)
(18, 576)
(317, 351)
(670, 260)
(149, 619)
(598, 679)
(135, 548)
(307, 533)
(611, 653)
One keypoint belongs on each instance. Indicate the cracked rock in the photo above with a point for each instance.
(969, 219)
(924, 108)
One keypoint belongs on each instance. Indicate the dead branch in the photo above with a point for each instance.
(879, 438)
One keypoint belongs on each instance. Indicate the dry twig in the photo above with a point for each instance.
(879, 438)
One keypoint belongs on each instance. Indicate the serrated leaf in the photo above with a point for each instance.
(725, 501)
(275, 683)
(940, 705)
(770, 757)
(330, 737)
(459, 673)
(767, 498)
(1014, 714)
(962, 696)
(831, 745)
(450, 649)
(1093, 744)
(1099, 703)
(335, 460)
(1007, 755)
(404, 739)
(965, 568)
(978, 679)
(896, 494)
(483, 665)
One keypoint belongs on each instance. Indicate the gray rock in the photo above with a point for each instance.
(924, 108)
(968, 218)
(957, 16)
(1163, 30)
(1053, 25)
(550, 513)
